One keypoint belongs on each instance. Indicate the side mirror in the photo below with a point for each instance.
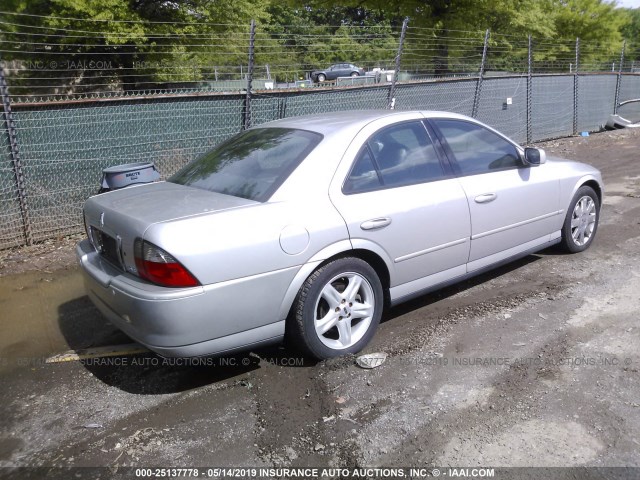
(534, 156)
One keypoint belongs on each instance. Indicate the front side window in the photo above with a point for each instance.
(250, 165)
(396, 156)
(476, 149)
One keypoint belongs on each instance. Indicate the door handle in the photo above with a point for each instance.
(486, 197)
(375, 224)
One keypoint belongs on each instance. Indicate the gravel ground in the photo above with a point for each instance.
(534, 364)
(54, 254)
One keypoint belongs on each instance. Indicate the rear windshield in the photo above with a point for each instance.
(250, 165)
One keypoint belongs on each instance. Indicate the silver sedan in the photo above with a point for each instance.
(307, 227)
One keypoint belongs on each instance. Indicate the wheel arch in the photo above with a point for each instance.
(376, 262)
(570, 186)
(372, 258)
(595, 185)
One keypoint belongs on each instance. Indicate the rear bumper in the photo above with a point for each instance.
(187, 322)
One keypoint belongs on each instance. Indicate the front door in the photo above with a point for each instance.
(513, 205)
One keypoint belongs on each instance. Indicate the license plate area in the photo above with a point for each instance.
(106, 246)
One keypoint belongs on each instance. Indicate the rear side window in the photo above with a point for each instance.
(364, 174)
(477, 150)
(250, 165)
(394, 157)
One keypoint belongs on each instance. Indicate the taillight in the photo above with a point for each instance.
(158, 266)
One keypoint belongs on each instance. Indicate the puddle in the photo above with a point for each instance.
(47, 313)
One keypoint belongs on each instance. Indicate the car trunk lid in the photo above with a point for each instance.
(116, 219)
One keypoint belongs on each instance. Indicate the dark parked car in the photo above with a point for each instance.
(335, 71)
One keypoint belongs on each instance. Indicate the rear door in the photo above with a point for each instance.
(344, 70)
(333, 72)
(513, 205)
(399, 199)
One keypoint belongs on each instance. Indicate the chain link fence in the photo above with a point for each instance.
(552, 106)
(65, 135)
(63, 148)
(11, 222)
(630, 90)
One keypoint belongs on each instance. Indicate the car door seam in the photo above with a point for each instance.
(431, 250)
(517, 224)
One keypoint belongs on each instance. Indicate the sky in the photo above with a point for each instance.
(629, 3)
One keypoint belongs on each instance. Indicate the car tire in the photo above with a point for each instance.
(581, 223)
(355, 74)
(321, 77)
(337, 310)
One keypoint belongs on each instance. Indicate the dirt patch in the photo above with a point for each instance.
(533, 443)
(47, 256)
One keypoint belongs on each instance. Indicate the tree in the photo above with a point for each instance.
(596, 23)
(75, 46)
(308, 37)
(450, 28)
(80, 46)
(630, 31)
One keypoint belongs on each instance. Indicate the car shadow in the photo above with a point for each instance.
(86, 331)
(441, 294)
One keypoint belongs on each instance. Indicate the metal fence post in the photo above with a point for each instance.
(15, 156)
(529, 91)
(391, 99)
(476, 98)
(575, 88)
(619, 79)
(247, 101)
